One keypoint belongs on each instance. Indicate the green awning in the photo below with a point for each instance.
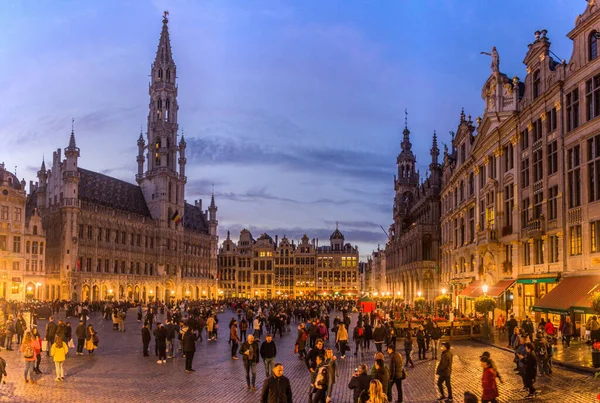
(536, 280)
(555, 311)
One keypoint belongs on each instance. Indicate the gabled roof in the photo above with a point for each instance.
(110, 192)
(194, 220)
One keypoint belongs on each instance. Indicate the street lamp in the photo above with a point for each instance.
(419, 294)
(398, 293)
(485, 289)
(443, 291)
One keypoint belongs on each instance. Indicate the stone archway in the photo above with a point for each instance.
(74, 297)
(197, 294)
(121, 292)
(129, 292)
(95, 292)
(104, 291)
(85, 292)
(144, 297)
(136, 293)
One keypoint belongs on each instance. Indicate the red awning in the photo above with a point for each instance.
(473, 290)
(570, 292)
(498, 289)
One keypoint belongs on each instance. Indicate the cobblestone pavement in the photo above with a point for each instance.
(119, 373)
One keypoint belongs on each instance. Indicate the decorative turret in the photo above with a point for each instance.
(435, 168)
(406, 159)
(212, 211)
(140, 158)
(70, 171)
(182, 160)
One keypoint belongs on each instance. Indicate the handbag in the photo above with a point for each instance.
(71, 344)
(296, 349)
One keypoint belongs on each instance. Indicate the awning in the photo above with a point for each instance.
(498, 289)
(583, 305)
(570, 291)
(534, 279)
(473, 290)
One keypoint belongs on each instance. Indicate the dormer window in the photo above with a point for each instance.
(593, 45)
(536, 84)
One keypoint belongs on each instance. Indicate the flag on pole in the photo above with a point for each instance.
(176, 217)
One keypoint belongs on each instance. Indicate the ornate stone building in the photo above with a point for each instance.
(267, 268)
(22, 244)
(521, 194)
(109, 238)
(412, 252)
(376, 279)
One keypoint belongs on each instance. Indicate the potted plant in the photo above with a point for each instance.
(485, 304)
(443, 300)
(419, 303)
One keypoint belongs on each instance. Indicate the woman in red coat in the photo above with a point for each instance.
(488, 382)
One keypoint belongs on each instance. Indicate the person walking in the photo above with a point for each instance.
(408, 347)
(301, 341)
(235, 339)
(38, 357)
(358, 335)
(342, 339)
(243, 329)
(161, 342)
(59, 351)
(511, 325)
(268, 351)
(379, 337)
(276, 388)
(80, 333)
(567, 331)
(396, 373)
(332, 371)
(360, 382)
(29, 348)
(51, 328)
(444, 371)
(421, 343)
(436, 335)
(250, 353)
(488, 382)
(145, 339)
(10, 332)
(529, 369)
(319, 381)
(91, 339)
(21, 327)
(189, 347)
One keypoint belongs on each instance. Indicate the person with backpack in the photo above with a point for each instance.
(358, 335)
(29, 348)
(540, 346)
(301, 341)
(360, 384)
(59, 351)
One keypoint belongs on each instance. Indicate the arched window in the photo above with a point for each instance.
(156, 153)
(536, 84)
(160, 74)
(167, 107)
(35, 231)
(593, 45)
(168, 75)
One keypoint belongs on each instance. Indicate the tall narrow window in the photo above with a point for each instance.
(592, 97)
(553, 202)
(536, 84)
(572, 109)
(595, 236)
(509, 203)
(575, 239)
(593, 149)
(525, 173)
(574, 176)
(167, 109)
(168, 75)
(552, 158)
(593, 48)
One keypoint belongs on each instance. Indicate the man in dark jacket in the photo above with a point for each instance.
(529, 362)
(145, 339)
(250, 352)
(171, 333)
(189, 347)
(80, 333)
(276, 388)
(21, 327)
(311, 357)
(161, 342)
(396, 372)
(268, 351)
(444, 371)
(360, 382)
(510, 326)
(379, 337)
(50, 333)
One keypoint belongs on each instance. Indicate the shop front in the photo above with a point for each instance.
(530, 289)
(570, 297)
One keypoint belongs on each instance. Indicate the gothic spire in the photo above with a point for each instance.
(212, 199)
(163, 53)
(406, 145)
(43, 168)
(72, 145)
(435, 151)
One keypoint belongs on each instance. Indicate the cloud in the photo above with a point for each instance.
(314, 160)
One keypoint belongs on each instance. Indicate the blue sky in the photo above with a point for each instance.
(293, 109)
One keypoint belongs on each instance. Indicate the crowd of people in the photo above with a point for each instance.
(322, 340)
